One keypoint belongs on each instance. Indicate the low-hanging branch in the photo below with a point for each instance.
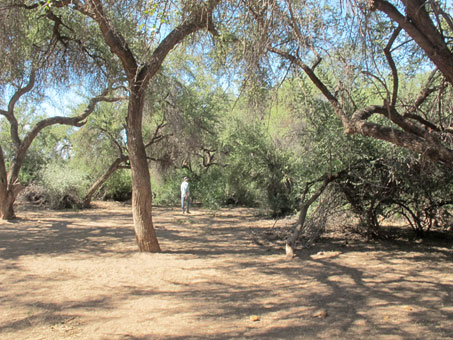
(408, 135)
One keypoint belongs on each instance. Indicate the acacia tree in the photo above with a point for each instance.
(321, 45)
(360, 78)
(116, 26)
(9, 178)
(27, 68)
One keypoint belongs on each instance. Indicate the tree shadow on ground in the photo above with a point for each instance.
(364, 299)
(64, 233)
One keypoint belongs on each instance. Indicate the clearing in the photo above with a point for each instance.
(78, 275)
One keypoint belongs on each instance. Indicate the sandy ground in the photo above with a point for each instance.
(78, 275)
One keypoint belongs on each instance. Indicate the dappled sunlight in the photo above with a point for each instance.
(78, 275)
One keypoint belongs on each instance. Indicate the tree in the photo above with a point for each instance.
(9, 178)
(139, 68)
(309, 42)
(27, 68)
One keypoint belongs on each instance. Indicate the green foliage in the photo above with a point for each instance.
(211, 189)
(65, 185)
(166, 189)
(118, 187)
(398, 187)
(258, 172)
(97, 144)
(424, 195)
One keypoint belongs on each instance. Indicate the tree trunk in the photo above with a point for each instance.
(8, 195)
(304, 205)
(96, 185)
(6, 205)
(141, 180)
(139, 78)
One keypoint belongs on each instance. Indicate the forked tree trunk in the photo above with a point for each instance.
(138, 79)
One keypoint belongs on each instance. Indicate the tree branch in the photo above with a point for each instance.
(112, 139)
(304, 206)
(388, 55)
(156, 137)
(54, 3)
(74, 121)
(420, 27)
(3, 175)
(411, 137)
(199, 19)
(318, 83)
(14, 125)
(113, 38)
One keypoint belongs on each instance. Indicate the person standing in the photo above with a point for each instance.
(185, 195)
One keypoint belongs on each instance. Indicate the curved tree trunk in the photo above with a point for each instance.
(96, 185)
(8, 191)
(141, 179)
(9, 180)
(304, 205)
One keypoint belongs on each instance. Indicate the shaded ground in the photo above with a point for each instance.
(77, 275)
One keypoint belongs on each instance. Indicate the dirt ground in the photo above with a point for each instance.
(78, 275)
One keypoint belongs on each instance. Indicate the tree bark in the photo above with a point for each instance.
(8, 191)
(6, 205)
(139, 79)
(8, 195)
(141, 180)
(101, 180)
(418, 24)
(304, 206)
(5, 212)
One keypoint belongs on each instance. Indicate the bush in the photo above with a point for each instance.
(35, 193)
(395, 188)
(166, 190)
(209, 189)
(118, 187)
(259, 173)
(65, 186)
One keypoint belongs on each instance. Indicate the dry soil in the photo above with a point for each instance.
(78, 275)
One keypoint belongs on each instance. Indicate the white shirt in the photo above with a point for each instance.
(184, 189)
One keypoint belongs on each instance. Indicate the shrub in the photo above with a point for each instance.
(395, 188)
(65, 186)
(166, 190)
(118, 187)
